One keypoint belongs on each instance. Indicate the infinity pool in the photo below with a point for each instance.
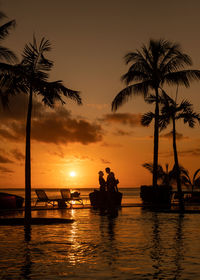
(132, 244)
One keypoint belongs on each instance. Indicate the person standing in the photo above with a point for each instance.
(102, 181)
(111, 181)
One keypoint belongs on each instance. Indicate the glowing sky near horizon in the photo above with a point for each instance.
(89, 40)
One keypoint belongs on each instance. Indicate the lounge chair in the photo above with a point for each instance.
(42, 197)
(69, 198)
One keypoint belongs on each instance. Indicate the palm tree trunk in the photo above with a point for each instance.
(28, 163)
(178, 179)
(156, 135)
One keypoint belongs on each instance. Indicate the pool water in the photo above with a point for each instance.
(130, 244)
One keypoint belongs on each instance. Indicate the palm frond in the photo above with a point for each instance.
(34, 56)
(164, 121)
(148, 166)
(196, 182)
(134, 76)
(183, 77)
(195, 175)
(185, 106)
(189, 117)
(176, 62)
(124, 95)
(5, 28)
(7, 55)
(147, 118)
(52, 92)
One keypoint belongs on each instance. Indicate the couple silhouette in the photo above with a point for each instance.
(110, 184)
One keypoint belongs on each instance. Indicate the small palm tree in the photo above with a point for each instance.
(159, 63)
(171, 112)
(191, 183)
(31, 76)
(166, 176)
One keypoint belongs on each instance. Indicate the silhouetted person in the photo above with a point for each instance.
(111, 181)
(102, 181)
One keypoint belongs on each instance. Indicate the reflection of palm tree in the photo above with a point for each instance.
(193, 182)
(171, 112)
(33, 71)
(156, 252)
(109, 243)
(179, 247)
(26, 269)
(159, 63)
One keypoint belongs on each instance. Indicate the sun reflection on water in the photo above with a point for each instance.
(133, 245)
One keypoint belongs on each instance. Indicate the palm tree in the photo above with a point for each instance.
(31, 76)
(193, 182)
(171, 112)
(166, 176)
(6, 55)
(159, 63)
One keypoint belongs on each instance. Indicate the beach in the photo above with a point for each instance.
(132, 244)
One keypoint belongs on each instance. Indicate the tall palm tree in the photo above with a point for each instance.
(171, 112)
(31, 76)
(159, 63)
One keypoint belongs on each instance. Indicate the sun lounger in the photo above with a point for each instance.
(42, 197)
(68, 197)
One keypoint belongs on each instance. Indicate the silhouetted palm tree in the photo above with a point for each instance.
(171, 112)
(191, 183)
(33, 79)
(166, 176)
(159, 63)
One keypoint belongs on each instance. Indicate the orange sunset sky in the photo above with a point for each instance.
(89, 40)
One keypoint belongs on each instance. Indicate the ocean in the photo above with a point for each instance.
(130, 195)
(133, 244)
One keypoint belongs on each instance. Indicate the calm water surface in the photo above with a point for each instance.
(132, 244)
(136, 244)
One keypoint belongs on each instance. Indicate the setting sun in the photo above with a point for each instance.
(72, 174)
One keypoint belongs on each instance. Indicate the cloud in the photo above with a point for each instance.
(57, 127)
(5, 170)
(121, 132)
(133, 120)
(105, 161)
(4, 159)
(179, 136)
(17, 108)
(17, 155)
(11, 134)
(83, 158)
(111, 145)
(190, 152)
